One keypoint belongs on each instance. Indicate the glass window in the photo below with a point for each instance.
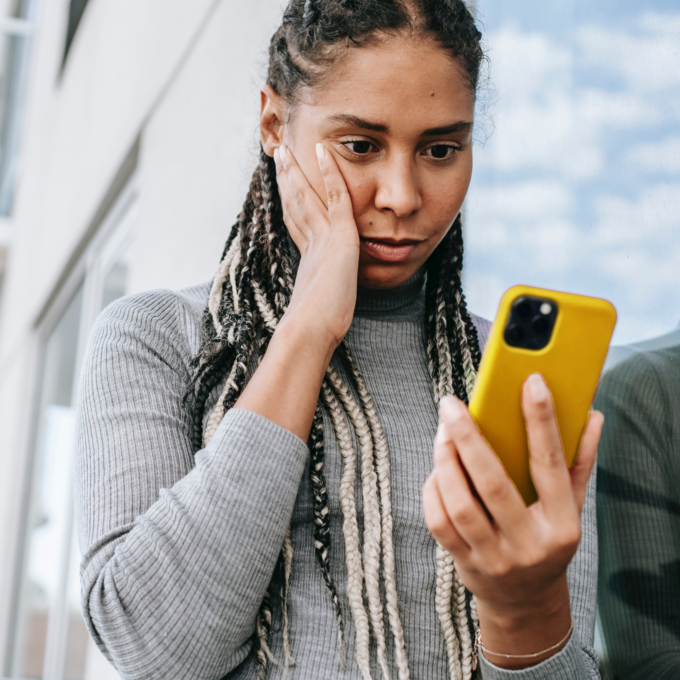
(51, 638)
(15, 47)
(50, 517)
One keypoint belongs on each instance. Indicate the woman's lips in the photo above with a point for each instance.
(388, 251)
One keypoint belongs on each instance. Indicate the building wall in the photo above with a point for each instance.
(179, 78)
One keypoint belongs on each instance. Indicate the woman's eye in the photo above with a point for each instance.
(359, 146)
(441, 151)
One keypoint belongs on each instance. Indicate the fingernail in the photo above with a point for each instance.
(537, 387)
(320, 151)
(277, 156)
(441, 435)
(450, 408)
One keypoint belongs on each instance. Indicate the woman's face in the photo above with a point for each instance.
(397, 118)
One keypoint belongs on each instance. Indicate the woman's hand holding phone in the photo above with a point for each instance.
(513, 558)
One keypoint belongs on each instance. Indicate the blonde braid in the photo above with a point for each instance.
(443, 593)
(461, 619)
(371, 507)
(350, 528)
(383, 467)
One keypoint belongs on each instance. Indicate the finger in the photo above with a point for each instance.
(489, 477)
(288, 205)
(306, 201)
(438, 521)
(337, 196)
(581, 470)
(548, 468)
(465, 512)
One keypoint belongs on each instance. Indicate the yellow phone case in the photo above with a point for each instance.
(570, 364)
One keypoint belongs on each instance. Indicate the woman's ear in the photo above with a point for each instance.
(271, 119)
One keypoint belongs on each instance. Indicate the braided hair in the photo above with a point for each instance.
(249, 295)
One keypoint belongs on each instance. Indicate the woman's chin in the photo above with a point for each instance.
(384, 275)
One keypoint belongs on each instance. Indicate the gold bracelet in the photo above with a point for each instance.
(535, 655)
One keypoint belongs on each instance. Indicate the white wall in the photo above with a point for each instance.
(199, 149)
(184, 76)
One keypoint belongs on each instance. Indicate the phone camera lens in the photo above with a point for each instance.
(516, 334)
(540, 325)
(523, 309)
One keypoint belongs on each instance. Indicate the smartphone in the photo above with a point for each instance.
(563, 337)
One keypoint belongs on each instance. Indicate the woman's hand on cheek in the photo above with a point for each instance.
(512, 557)
(325, 288)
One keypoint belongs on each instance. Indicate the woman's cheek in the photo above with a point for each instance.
(361, 191)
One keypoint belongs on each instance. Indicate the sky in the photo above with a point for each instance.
(576, 184)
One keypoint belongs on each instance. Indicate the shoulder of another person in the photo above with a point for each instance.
(483, 327)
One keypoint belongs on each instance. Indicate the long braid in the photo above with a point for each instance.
(250, 294)
(372, 524)
(382, 464)
(350, 528)
(462, 339)
(322, 528)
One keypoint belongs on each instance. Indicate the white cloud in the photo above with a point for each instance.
(649, 61)
(532, 200)
(658, 157)
(644, 277)
(533, 216)
(651, 219)
(543, 119)
(529, 220)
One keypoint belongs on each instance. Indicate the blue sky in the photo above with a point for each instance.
(577, 166)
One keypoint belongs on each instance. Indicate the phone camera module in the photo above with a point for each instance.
(516, 333)
(540, 325)
(523, 309)
(531, 323)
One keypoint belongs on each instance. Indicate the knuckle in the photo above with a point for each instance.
(499, 568)
(543, 412)
(299, 197)
(334, 195)
(571, 537)
(438, 526)
(495, 487)
(463, 514)
(553, 457)
(464, 434)
(529, 559)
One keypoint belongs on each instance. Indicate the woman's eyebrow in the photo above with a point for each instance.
(460, 126)
(355, 121)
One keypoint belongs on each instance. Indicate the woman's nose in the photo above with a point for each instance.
(398, 189)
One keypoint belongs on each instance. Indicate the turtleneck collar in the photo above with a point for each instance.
(379, 300)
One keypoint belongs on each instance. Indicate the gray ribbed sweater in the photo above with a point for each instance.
(179, 549)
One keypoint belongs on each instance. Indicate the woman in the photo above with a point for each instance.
(336, 318)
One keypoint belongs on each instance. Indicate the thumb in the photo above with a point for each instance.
(580, 471)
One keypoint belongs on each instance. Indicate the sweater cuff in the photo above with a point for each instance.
(281, 455)
(567, 664)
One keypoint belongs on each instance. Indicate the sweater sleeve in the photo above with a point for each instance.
(178, 549)
(577, 660)
(639, 516)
